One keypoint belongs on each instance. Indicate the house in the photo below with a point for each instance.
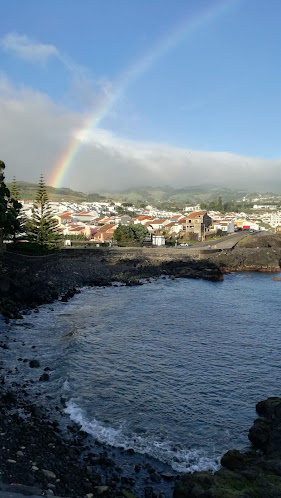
(78, 230)
(173, 227)
(190, 209)
(85, 216)
(158, 240)
(90, 231)
(63, 219)
(105, 233)
(142, 219)
(226, 226)
(158, 224)
(198, 223)
(122, 219)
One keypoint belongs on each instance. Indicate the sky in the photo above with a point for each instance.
(100, 95)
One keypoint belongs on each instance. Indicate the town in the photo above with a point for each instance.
(94, 223)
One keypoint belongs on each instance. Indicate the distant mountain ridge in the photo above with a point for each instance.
(185, 195)
(141, 195)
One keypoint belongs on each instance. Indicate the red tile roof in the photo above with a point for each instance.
(106, 227)
(196, 214)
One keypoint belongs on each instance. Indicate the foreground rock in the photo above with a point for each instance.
(29, 281)
(43, 455)
(252, 474)
(35, 456)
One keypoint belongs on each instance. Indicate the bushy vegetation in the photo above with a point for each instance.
(125, 234)
(40, 230)
(31, 248)
(10, 222)
(224, 207)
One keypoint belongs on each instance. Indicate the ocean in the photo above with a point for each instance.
(171, 369)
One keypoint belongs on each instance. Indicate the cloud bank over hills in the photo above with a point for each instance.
(37, 131)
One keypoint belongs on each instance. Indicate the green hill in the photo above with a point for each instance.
(169, 195)
(28, 192)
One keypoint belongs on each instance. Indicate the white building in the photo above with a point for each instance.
(275, 219)
(226, 226)
(158, 240)
(192, 209)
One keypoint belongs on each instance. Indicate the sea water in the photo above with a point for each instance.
(172, 369)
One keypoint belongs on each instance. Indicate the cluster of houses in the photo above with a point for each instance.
(98, 221)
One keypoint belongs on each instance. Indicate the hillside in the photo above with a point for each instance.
(28, 191)
(186, 195)
(165, 196)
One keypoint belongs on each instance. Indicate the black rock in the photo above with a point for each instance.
(34, 364)
(44, 377)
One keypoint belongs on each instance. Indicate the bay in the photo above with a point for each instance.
(172, 369)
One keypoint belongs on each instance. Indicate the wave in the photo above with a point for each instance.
(181, 460)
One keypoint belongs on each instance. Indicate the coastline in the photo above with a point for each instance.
(44, 452)
(29, 281)
(22, 423)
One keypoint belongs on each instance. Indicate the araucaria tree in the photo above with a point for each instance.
(18, 227)
(42, 225)
(10, 223)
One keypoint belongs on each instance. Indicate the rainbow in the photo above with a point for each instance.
(178, 35)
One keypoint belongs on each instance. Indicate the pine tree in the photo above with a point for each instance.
(20, 226)
(42, 226)
(15, 191)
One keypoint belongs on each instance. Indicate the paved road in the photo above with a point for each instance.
(227, 242)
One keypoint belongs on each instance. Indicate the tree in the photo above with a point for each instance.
(15, 191)
(18, 227)
(130, 233)
(10, 224)
(42, 226)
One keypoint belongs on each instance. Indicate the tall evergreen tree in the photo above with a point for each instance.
(42, 225)
(15, 191)
(10, 224)
(19, 227)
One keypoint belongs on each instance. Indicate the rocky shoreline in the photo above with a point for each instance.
(44, 453)
(252, 474)
(29, 281)
(40, 457)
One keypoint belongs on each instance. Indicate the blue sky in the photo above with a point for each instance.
(183, 77)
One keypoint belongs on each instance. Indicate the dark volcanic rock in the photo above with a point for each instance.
(44, 377)
(34, 454)
(233, 459)
(29, 281)
(34, 364)
(253, 474)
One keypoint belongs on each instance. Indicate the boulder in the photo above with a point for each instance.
(233, 459)
(34, 364)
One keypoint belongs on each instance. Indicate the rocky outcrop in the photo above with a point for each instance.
(248, 259)
(29, 281)
(252, 474)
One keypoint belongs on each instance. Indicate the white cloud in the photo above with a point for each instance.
(82, 89)
(27, 49)
(36, 133)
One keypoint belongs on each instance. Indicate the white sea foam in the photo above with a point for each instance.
(181, 460)
(66, 386)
